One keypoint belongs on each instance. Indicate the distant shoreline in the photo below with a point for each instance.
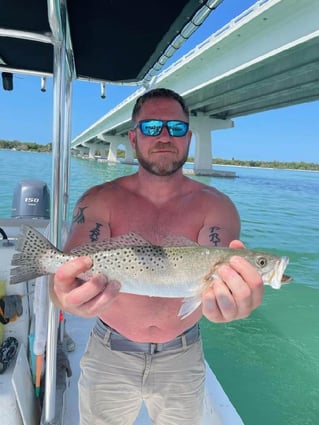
(284, 165)
(316, 170)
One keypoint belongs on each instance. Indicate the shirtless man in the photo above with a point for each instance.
(140, 349)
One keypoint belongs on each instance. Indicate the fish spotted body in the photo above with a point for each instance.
(184, 270)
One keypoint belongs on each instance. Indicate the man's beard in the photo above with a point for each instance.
(160, 168)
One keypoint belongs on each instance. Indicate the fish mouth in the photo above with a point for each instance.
(276, 277)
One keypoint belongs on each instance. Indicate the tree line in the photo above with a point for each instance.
(25, 146)
(295, 165)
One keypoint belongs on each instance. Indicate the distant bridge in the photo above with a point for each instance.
(266, 58)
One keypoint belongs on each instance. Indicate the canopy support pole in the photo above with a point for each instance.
(62, 77)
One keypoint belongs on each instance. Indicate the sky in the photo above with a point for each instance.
(286, 134)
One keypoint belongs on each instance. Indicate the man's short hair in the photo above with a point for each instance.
(156, 94)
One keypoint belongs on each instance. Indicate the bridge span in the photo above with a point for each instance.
(266, 58)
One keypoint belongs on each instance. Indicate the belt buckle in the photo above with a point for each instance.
(155, 348)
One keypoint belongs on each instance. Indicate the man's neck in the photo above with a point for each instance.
(159, 189)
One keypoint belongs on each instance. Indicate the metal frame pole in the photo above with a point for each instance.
(62, 78)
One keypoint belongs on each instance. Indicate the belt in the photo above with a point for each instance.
(118, 342)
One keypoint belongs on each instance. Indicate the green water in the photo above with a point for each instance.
(268, 363)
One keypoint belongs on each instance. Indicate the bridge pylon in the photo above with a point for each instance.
(202, 127)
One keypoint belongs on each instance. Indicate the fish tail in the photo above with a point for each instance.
(29, 246)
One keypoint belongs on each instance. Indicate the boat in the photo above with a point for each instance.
(67, 40)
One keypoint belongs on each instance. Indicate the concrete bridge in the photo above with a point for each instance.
(266, 58)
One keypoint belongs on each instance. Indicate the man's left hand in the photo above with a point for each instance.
(235, 293)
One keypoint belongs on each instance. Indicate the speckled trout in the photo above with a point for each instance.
(178, 269)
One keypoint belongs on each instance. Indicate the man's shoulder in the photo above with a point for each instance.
(107, 194)
(109, 187)
(208, 192)
(214, 201)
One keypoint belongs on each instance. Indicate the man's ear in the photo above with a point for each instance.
(132, 138)
(190, 134)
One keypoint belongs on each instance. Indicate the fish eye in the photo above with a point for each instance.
(261, 261)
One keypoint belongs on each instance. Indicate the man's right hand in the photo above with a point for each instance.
(86, 299)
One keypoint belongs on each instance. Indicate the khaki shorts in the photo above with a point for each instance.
(114, 384)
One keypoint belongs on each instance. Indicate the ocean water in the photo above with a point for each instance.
(268, 363)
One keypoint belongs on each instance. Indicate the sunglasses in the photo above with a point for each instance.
(153, 128)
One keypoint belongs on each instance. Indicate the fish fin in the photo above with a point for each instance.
(22, 274)
(189, 305)
(30, 244)
(122, 241)
(177, 240)
(129, 239)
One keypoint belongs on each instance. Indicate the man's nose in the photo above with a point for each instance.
(165, 134)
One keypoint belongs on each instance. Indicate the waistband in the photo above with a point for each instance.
(118, 342)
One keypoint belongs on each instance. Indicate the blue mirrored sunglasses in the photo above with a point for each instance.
(153, 128)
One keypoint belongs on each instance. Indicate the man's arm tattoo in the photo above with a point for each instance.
(214, 235)
(78, 217)
(95, 233)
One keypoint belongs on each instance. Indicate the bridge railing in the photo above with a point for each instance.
(213, 38)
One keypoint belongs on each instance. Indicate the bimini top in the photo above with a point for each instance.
(106, 40)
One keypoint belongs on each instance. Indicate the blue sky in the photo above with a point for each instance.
(286, 134)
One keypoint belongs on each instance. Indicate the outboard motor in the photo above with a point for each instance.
(31, 199)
